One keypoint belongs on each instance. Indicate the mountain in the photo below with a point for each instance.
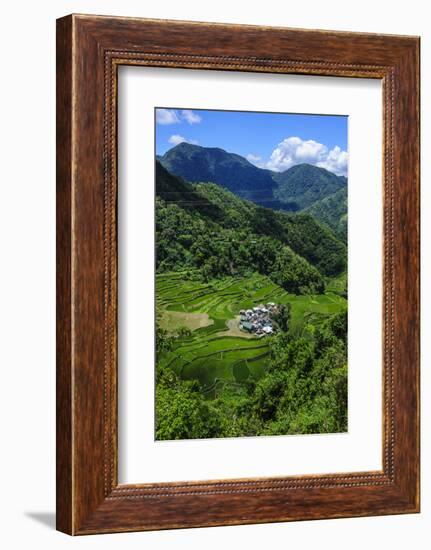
(294, 189)
(175, 190)
(215, 211)
(332, 210)
(211, 164)
(304, 184)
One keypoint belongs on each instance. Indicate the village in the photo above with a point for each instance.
(259, 320)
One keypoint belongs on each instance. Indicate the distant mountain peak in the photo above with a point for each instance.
(185, 145)
(304, 184)
(294, 189)
(197, 164)
(304, 166)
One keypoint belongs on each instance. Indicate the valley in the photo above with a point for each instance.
(233, 240)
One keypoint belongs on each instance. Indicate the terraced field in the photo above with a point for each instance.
(207, 354)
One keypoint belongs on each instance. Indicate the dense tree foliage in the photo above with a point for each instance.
(222, 221)
(185, 241)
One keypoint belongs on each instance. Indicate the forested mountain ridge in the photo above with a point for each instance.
(295, 189)
(173, 189)
(304, 184)
(212, 164)
(332, 210)
(212, 225)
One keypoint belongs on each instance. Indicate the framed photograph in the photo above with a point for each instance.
(237, 274)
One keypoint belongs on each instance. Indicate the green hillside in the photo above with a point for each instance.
(211, 164)
(218, 255)
(332, 211)
(304, 184)
(210, 222)
(293, 190)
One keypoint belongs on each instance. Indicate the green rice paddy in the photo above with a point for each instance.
(207, 354)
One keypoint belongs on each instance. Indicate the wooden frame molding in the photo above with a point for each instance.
(89, 51)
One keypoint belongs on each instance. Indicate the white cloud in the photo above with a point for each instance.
(173, 116)
(294, 150)
(190, 116)
(336, 161)
(167, 116)
(256, 160)
(176, 139)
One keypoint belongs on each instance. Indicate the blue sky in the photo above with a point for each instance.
(269, 140)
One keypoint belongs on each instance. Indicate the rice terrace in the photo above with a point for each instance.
(251, 281)
(209, 354)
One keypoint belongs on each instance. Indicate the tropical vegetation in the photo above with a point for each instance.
(221, 248)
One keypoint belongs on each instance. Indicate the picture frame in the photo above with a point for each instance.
(89, 51)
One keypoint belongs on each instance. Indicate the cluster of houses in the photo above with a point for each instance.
(259, 319)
